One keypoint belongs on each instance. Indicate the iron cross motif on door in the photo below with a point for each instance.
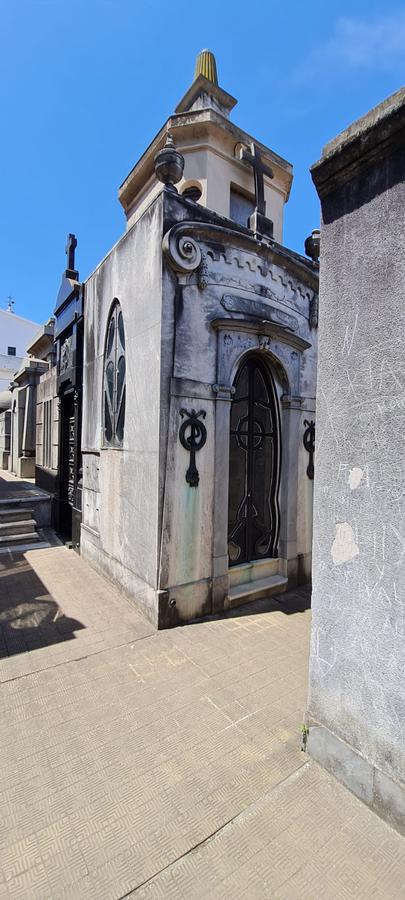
(254, 158)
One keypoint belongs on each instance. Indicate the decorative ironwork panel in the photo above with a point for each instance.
(68, 451)
(114, 379)
(309, 444)
(254, 466)
(66, 354)
(193, 435)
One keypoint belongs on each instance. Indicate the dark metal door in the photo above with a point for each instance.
(67, 488)
(253, 517)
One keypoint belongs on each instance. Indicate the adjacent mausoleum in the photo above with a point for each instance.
(357, 698)
(39, 360)
(16, 333)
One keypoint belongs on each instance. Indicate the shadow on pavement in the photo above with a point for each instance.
(29, 616)
(294, 601)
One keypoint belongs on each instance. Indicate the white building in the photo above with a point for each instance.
(16, 334)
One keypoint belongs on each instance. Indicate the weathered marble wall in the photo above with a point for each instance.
(358, 636)
(120, 486)
(227, 285)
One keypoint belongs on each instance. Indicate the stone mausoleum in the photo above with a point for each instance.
(356, 711)
(199, 366)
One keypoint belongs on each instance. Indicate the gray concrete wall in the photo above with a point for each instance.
(358, 634)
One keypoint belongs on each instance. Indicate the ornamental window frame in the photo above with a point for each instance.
(114, 379)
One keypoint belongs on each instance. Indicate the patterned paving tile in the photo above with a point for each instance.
(167, 764)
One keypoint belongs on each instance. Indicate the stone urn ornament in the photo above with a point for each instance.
(169, 164)
(313, 245)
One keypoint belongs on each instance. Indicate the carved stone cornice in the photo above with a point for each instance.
(243, 306)
(181, 246)
(292, 401)
(223, 391)
(263, 328)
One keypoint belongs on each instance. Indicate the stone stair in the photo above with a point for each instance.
(17, 526)
(256, 590)
(254, 581)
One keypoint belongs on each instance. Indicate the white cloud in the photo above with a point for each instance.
(377, 45)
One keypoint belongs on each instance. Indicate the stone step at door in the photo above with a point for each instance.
(17, 526)
(15, 514)
(26, 526)
(240, 594)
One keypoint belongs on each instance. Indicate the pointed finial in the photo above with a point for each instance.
(206, 65)
(10, 304)
(169, 164)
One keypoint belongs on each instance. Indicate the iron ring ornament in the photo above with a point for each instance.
(193, 435)
(309, 444)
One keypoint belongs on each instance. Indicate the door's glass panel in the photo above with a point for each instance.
(262, 486)
(107, 420)
(121, 331)
(120, 379)
(110, 342)
(110, 381)
(121, 419)
(261, 393)
(242, 385)
(263, 419)
(237, 500)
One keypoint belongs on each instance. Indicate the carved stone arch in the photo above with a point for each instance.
(278, 370)
(270, 360)
(235, 345)
(192, 189)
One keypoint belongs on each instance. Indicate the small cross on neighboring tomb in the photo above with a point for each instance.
(70, 253)
(259, 223)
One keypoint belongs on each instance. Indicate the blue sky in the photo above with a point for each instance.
(86, 84)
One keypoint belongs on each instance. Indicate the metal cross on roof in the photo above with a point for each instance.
(254, 158)
(70, 252)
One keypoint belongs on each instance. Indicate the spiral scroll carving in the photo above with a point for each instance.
(183, 252)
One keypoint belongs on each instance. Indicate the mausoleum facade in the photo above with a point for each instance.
(199, 368)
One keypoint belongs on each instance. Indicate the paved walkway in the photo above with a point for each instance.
(166, 765)
(13, 488)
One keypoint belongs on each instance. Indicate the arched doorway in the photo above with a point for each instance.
(254, 465)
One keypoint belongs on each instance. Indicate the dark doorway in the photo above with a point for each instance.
(254, 467)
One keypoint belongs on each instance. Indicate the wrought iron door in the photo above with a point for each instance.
(253, 517)
(67, 463)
